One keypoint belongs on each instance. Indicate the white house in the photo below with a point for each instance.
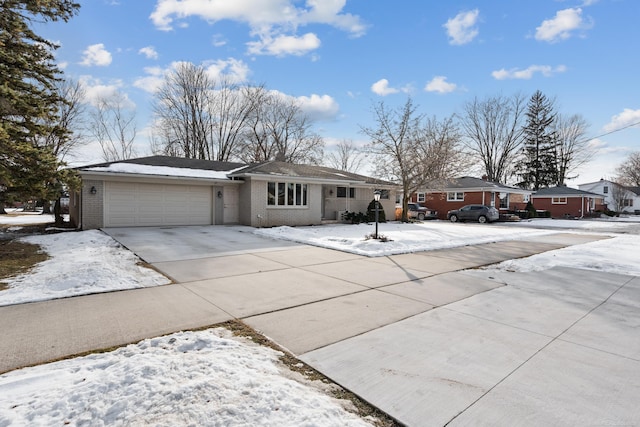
(617, 197)
(160, 190)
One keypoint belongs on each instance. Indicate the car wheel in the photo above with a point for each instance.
(421, 217)
(453, 218)
(482, 219)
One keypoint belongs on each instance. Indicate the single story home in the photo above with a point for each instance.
(617, 197)
(161, 190)
(563, 202)
(466, 190)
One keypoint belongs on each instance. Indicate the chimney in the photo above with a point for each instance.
(485, 177)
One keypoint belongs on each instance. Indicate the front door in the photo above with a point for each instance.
(218, 197)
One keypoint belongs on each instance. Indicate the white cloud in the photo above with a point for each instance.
(462, 28)
(527, 73)
(234, 69)
(95, 90)
(152, 82)
(284, 45)
(319, 107)
(274, 22)
(96, 54)
(624, 119)
(149, 52)
(562, 25)
(381, 87)
(439, 84)
(218, 40)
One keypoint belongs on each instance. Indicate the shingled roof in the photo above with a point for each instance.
(564, 191)
(283, 169)
(174, 162)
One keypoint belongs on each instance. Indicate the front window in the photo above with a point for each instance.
(605, 190)
(421, 197)
(504, 200)
(341, 192)
(455, 197)
(384, 194)
(558, 200)
(286, 194)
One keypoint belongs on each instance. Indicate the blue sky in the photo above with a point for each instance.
(340, 56)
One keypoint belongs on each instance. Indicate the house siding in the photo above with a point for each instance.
(609, 201)
(360, 203)
(262, 215)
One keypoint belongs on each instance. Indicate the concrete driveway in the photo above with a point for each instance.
(159, 244)
(422, 336)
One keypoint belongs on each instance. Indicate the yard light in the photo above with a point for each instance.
(376, 197)
(93, 190)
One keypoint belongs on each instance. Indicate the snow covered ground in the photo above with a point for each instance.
(210, 377)
(205, 378)
(81, 263)
(405, 238)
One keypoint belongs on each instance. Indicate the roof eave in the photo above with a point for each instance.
(106, 174)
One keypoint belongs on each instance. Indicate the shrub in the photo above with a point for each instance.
(355, 217)
(532, 213)
(381, 237)
(371, 213)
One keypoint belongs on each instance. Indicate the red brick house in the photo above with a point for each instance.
(466, 190)
(563, 202)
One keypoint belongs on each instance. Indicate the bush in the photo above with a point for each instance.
(371, 213)
(355, 217)
(531, 211)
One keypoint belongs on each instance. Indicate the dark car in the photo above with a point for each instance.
(480, 213)
(420, 212)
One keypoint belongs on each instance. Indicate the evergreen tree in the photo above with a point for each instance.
(28, 99)
(537, 168)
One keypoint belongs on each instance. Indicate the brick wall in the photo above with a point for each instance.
(92, 205)
(573, 207)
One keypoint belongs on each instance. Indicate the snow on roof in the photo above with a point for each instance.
(161, 170)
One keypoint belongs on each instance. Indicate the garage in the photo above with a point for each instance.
(130, 204)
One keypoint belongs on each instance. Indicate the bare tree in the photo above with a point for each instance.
(230, 109)
(493, 132)
(183, 111)
(620, 196)
(410, 150)
(277, 129)
(114, 127)
(629, 170)
(66, 133)
(347, 157)
(572, 149)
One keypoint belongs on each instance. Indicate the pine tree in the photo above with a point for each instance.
(537, 169)
(28, 99)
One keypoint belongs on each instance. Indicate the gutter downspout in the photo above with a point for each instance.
(582, 209)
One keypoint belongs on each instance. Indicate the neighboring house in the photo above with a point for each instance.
(160, 190)
(466, 190)
(563, 202)
(617, 197)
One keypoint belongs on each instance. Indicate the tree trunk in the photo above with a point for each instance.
(57, 213)
(46, 206)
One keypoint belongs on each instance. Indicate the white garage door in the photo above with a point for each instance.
(132, 204)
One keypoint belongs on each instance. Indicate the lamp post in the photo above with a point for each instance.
(376, 197)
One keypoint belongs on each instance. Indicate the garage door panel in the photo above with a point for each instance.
(137, 204)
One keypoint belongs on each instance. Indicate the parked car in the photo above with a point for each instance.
(420, 212)
(479, 213)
